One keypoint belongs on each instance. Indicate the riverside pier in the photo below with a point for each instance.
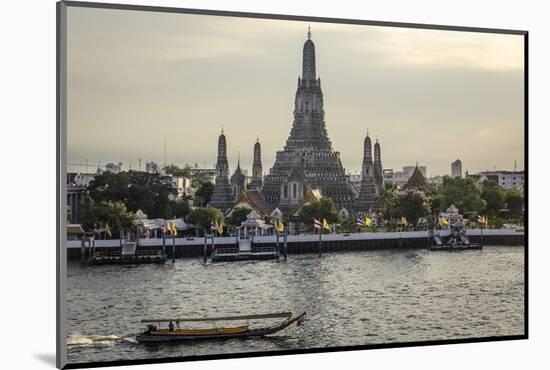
(197, 247)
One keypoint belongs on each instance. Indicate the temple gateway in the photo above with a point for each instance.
(306, 162)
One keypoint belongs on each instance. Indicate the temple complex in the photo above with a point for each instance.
(308, 149)
(306, 165)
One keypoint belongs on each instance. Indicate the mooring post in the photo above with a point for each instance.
(204, 250)
(277, 245)
(92, 249)
(320, 241)
(83, 251)
(285, 244)
(164, 245)
(173, 248)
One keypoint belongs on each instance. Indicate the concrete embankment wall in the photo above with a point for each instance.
(187, 248)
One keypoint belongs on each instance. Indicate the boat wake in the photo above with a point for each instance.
(76, 341)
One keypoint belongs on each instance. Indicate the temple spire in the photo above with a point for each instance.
(308, 68)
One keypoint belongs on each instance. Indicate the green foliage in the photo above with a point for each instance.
(463, 192)
(204, 194)
(179, 208)
(412, 204)
(106, 212)
(198, 179)
(494, 197)
(203, 217)
(238, 216)
(319, 209)
(174, 170)
(137, 190)
(388, 202)
(515, 202)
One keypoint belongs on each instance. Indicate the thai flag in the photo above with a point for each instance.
(360, 222)
(317, 224)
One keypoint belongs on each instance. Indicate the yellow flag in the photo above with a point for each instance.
(404, 221)
(485, 220)
(326, 226)
(174, 230)
(443, 221)
(279, 226)
(368, 221)
(108, 230)
(219, 227)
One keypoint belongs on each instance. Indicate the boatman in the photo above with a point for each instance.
(171, 326)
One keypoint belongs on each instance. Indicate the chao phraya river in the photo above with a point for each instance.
(353, 298)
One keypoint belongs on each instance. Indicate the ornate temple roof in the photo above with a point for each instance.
(238, 176)
(254, 200)
(417, 180)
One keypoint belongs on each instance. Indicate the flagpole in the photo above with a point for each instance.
(320, 233)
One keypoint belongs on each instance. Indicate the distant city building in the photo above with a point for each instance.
(151, 167)
(79, 178)
(506, 179)
(456, 168)
(436, 180)
(74, 196)
(181, 187)
(114, 168)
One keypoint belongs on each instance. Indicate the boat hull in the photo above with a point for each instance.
(173, 337)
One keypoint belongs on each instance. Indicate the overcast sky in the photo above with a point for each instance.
(136, 78)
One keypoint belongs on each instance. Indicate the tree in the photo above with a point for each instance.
(515, 202)
(494, 197)
(204, 194)
(464, 193)
(238, 215)
(106, 212)
(388, 201)
(180, 208)
(413, 204)
(137, 190)
(324, 208)
(199, 178)
(203, 217)
(174, 170)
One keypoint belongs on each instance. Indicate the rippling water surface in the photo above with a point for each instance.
(350, 299)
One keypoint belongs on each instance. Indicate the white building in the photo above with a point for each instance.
(506, 179)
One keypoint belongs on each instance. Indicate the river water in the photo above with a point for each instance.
(353, 298)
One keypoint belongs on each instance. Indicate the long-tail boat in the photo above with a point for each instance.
(173, 333)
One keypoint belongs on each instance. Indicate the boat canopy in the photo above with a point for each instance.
(224, 318)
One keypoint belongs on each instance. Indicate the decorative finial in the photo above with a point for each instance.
(308, 33)
(257, 138)
(222, 130)
(239, 159)
(367, 132)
